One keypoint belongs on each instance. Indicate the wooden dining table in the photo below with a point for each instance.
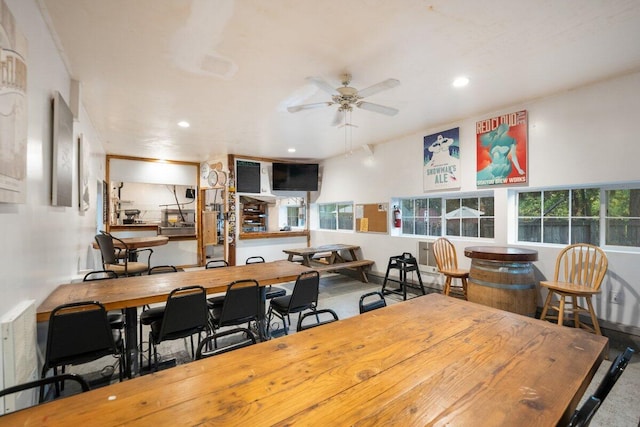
(431, 360)
(331, 257)
(128, 293)
(137, 242)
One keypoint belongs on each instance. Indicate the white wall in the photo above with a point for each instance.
(44, 246)
(583, 136)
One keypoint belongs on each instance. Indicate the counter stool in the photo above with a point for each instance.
(405, 263)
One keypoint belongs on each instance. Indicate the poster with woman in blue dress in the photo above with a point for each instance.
(502, 149)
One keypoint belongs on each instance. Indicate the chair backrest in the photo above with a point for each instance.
(247, 339)
(185, 313)
(216, 263)
(162, 269)
(582, 416)
(305, 290)
(445, 254)
(329, 315)
(12, 405)
(78, 332)
(254, 260)
(376, 300)
(99, 275)
(581, 264)
(107, 249)
(613, 374)
(46, 381)
(241, 303)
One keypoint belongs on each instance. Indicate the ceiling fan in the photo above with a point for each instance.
(346, 97)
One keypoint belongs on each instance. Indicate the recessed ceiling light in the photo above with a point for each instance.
(460, 82)
(291, 150)
(183, 124)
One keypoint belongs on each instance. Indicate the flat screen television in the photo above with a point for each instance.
(247, 177)
(295, 177)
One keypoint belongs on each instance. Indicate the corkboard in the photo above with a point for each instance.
(372, 218)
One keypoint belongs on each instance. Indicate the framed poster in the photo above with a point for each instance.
(502, 150)
(442, 160)
(13, 109)
(83, 175)
(62, 170)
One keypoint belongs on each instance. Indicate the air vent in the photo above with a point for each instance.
(426, 259)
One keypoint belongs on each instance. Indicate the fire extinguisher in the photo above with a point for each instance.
(397, 219)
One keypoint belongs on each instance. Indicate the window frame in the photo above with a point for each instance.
(336, 211)
(602, 217)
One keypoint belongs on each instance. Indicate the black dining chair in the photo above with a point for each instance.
(216, 263)
(304, 297)
(329, 316)
(217, 300)
(270, 291)
(582, 416)
(80, 333)
(185, 315)
(116, 317)
(371, 301)
(57, 380)
(232, 339)
(110, 257)
(241, 305)
(163, 269)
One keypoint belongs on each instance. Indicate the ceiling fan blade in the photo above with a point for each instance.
(338, 119)
(322, 84)
(378, 87)
(296, 108)
(389, 111)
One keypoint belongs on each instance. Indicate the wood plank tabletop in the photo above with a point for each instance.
(501, 253)
(432, 360)
(137, 291)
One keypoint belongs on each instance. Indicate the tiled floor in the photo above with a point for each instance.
(342, 294)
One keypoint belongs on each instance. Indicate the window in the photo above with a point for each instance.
(422, 216)
(468, 216)
(335, 216)
(559, 216)
(295, 216)
(623, 217)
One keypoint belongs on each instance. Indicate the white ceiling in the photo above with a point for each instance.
(231, 68)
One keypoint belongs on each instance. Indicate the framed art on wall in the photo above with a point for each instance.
(13, 109)
(62, 167)
(83, 175)
(502, 150)
(442, 160)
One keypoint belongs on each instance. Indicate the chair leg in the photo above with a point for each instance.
(561, 311)
(594, 319)
(464, 287)
(447, 285)
(576, 312)
(547, 304)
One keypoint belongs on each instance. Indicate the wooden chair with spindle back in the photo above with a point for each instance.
(447, 261)
(580, 269)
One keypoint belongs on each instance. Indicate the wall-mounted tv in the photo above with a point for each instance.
(295, 177)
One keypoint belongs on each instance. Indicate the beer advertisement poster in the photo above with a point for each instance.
(442, 160)
(502, 150)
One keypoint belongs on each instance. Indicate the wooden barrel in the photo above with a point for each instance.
(507, 285)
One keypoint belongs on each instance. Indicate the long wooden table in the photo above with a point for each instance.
(131, 292)
(432, 360)
(332, 258)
